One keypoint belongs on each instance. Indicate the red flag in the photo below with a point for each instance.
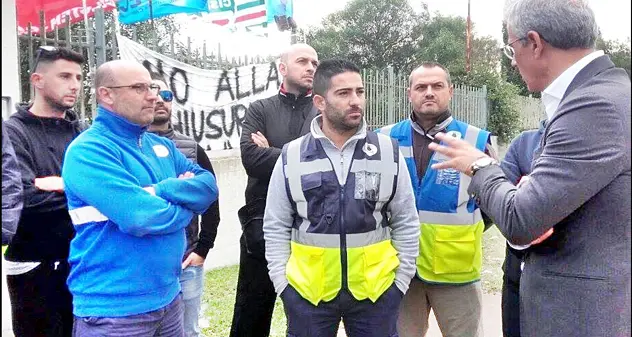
(55, 12)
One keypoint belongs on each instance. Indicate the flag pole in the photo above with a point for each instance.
(468, 40)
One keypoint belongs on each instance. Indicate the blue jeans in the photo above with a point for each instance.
(164, 322)
(192, 283)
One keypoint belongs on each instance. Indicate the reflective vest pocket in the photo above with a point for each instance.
(305, 271)
(454, 249)
(371, 269)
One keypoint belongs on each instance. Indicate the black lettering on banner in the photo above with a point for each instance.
(172, 83)
(186, 123)
(158, 69)
(236, 120)
(239, 94)
(224, 87)
(275, 77)
(256, 90)
(227, 145)
(215, 131)
(178, 127)
(195, 134)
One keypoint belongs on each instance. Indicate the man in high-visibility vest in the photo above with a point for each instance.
(450, 254)
(342, 233)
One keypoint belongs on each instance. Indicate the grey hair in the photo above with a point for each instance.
(564, 24)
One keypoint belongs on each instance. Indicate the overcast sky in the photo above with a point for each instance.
(613, 17)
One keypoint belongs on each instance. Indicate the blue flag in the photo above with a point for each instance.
(281, 12)
(279, 8)
(132, 11)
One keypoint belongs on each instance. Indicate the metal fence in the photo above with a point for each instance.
(531, 111)
(387, 100)
(95, 39)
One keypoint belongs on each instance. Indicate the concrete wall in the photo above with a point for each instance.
(10, 69)
(231, 179)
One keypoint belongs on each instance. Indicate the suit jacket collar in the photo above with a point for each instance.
(593, 69)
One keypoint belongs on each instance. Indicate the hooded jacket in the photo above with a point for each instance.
(44, 230)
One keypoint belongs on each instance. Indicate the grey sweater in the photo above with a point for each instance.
(277, 222)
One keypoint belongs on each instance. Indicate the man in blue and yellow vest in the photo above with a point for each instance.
(450, 254)
(342, 232)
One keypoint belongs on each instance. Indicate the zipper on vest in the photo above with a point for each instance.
(343, 232)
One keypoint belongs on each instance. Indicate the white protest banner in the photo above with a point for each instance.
(208, 105)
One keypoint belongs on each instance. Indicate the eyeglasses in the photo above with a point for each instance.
(141, 88)
(508, 49)
(39, 52)
(166, 95)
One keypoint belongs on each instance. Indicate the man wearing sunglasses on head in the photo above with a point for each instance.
(202, 231)
(36, 259)
(131, 194)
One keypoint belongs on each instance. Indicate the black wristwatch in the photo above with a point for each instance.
(481, 163)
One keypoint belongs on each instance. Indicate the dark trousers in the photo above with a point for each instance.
(510, 302)
(41, 304)
(360, 318)
(254, 302)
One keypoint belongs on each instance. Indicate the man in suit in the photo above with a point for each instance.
(576, 282)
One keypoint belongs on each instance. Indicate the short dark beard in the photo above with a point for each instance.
(339, 125)
(158, 122)
(301, 89)
(55, 105)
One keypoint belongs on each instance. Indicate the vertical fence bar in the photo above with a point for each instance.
(114, 50)
(172, 46)
(56, 38)
(204, 55)
(99, 42)
(42, 28)
(219, 56)
(189, 51)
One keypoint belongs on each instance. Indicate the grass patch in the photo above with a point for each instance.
(493, 257)
(218, 301)
(220, 284)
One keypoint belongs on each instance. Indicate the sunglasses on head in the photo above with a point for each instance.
(166, 95)
(39, 52)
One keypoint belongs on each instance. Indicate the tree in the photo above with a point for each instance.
(619, 52)
(371, 34)
(444, 42)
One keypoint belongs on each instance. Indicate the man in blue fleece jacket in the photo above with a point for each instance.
(130, 196)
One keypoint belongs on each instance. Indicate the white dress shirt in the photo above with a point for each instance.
(552, 95)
